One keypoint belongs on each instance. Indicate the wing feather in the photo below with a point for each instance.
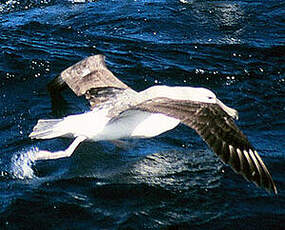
(90, 73)
(221, 134)
(89, 77)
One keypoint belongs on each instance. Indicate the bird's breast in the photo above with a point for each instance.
(139, 124)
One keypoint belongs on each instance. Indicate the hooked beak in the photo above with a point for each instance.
(231, 112)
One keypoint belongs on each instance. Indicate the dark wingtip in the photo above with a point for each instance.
(269, 188)
(56, 85)
(246, 162)
(258, 173)
(274, 189)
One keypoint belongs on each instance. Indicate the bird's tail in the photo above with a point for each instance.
(47, 129)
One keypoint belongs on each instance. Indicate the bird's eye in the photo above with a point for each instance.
(210, 98)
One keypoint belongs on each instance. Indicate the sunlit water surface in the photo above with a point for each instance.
(235, 48)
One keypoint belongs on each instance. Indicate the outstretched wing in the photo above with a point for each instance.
(89, 77)
(219, 131)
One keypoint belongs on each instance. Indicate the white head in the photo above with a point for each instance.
(188, 93)
(205, 96)
(181, 93)
(197, 94)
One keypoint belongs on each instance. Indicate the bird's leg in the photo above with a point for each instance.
(46, 155)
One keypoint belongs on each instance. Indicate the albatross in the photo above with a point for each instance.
(119, 112)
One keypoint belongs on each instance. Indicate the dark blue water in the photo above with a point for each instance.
(235, 48)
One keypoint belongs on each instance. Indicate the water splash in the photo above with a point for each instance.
(22, 163)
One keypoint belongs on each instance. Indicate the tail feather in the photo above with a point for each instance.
(47, 129)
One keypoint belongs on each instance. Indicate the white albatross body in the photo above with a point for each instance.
(118, 112)
(95, 126)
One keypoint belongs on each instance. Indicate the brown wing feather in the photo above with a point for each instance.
(90, 73)
(90, 77)
(219, 131)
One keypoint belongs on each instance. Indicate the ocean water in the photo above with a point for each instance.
(173, 181)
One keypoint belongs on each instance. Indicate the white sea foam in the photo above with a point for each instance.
(22, 162)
